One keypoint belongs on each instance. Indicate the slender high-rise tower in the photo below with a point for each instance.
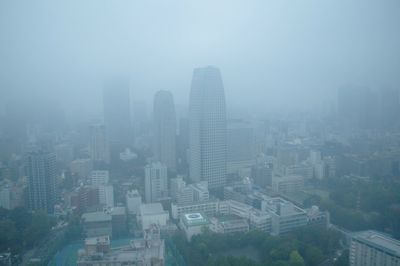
(165, 129)
(117, 113)
(207, 126)
(41, 171)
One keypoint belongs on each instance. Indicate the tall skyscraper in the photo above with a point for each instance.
(117, 113)
(41, 172)
(164, 129)
(99, 149)
(207, 122)
(156, 182)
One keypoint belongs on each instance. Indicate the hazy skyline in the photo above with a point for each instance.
(272, 54)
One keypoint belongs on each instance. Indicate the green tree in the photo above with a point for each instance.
(296, 259)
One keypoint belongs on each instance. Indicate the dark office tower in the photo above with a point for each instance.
(117, 113)
(41, 172)
(183, 146)
(207, 123)
(164, 123)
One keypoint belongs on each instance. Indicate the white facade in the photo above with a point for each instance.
(370, 248)
(133, 201)
(207, 126)
(99, 177)
(106, 195)
(156, 182)
(287, 184)
(152, 213)
(81, 167)
(285, 215)
(193, 193)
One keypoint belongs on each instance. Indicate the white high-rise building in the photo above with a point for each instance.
(164, 123)
(99, 177)
(207, 123)
(156, 182)
(98, 146)
(106, 195)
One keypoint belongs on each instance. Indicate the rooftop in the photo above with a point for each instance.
(379, 241)
(193, 219)
(96, 217)
(151, 208)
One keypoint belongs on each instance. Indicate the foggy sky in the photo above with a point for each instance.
(277, 54)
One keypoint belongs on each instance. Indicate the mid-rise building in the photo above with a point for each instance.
(287, 184)
(81, 167)
(152, 213)
(156, 182)
(41, 172)
(193, 193)
(97, 224)
(370, 248)
(106, 195)
(193, 224)
(285, 215)
(228, 225)
(99, 177)
(133, 201)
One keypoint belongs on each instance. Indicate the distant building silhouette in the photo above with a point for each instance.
(99, 148)
(207, 116)
(41, 171)
(164, 129)
(117, 113)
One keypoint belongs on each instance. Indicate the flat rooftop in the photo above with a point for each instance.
(96, 217)
(193, 219)
(151, 208)
(380, 241)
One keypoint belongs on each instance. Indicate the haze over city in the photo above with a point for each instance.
(175, 133)
(283, 54)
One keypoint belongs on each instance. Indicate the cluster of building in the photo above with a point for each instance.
(146, 251)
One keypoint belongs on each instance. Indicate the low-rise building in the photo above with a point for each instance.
(285, 215)
(193, 224)
(146, 251)
(152, 213)
(317, 217)
(97, 224)
(228, 224)
(209, 208)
